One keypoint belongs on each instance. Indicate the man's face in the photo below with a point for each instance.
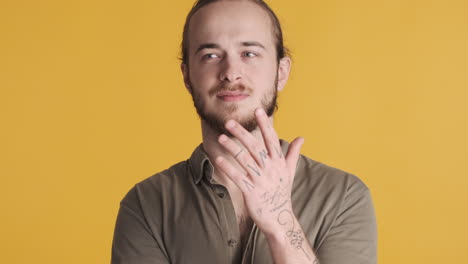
(232, 66)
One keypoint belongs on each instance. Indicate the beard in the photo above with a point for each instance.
(217, 119)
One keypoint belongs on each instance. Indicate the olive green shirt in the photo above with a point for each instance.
(181, 215)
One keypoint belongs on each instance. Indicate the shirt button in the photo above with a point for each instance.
(232, 242)
(221, 195)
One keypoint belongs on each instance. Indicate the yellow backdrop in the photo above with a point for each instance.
(92, 101)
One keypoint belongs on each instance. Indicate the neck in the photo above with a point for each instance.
(214, 149)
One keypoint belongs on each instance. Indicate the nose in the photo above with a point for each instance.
(231, 70)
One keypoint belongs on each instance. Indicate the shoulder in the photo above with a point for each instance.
(326, 197)
(326, 179)
(160, 184)
(323, 192)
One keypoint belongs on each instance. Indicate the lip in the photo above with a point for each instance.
(231, 96)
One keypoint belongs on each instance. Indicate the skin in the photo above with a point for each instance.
(231, 45)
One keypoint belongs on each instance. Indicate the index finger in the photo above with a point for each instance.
(270, 137)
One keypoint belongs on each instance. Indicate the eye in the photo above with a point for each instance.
(210, 56)
(250, 54)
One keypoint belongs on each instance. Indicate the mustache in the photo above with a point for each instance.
(223, 87)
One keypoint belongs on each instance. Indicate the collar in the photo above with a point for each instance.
(201, 166)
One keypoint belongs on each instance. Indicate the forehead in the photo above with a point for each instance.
(229, 23)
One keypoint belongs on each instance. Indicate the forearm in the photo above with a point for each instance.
(266, 186)
(289, 244)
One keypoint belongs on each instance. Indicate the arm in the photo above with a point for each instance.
(353, 235)
(290, 246)
(266, 187)
(133, 240)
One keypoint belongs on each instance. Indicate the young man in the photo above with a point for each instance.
(244, 196)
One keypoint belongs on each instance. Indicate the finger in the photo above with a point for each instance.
(293, 153)
(254, 147)
(243, 182)
(270, 137)
(242, 156)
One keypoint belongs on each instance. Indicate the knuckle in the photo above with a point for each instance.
(232, 147)
(243, 158)
(257, 147)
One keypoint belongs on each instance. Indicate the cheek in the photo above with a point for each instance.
(203, 76)
(263, 76)
(264, 66)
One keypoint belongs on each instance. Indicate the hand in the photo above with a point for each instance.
(268, 183)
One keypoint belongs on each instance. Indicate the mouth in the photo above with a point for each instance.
(231, 96)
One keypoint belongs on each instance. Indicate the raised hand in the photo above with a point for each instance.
(267, 185)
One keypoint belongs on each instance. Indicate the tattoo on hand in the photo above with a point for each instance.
(263, 156)
(285, 217)
(248, 185)
(255, 169)
(259, 211)
(240, 151)
(279, 206)
(277, 199)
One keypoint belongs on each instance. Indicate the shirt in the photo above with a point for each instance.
(181, 215)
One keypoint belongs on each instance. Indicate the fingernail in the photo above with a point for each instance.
(230, 124)
(259, 112)
(222, 138)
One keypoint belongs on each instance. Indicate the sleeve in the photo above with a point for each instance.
(353, 235)
(133, 241)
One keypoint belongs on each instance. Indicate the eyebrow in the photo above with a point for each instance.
(253, 43)
(207, 46)
(216, 46)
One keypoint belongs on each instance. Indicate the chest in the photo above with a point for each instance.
(245, 225)
(243, 219)
(216, 229)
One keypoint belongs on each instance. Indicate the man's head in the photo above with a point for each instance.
(233, 60)
(281, 50)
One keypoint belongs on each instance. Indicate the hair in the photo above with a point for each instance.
(281, 50)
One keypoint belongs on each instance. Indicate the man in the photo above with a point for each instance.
(244, 196)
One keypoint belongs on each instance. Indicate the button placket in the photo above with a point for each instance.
(228, 220)
(232, 242)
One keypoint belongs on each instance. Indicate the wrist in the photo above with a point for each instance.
(277, 237)
(285, 224)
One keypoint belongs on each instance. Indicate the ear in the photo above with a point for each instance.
(185, 73)
(284, 69)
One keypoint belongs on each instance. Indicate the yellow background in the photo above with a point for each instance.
(92, 102)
